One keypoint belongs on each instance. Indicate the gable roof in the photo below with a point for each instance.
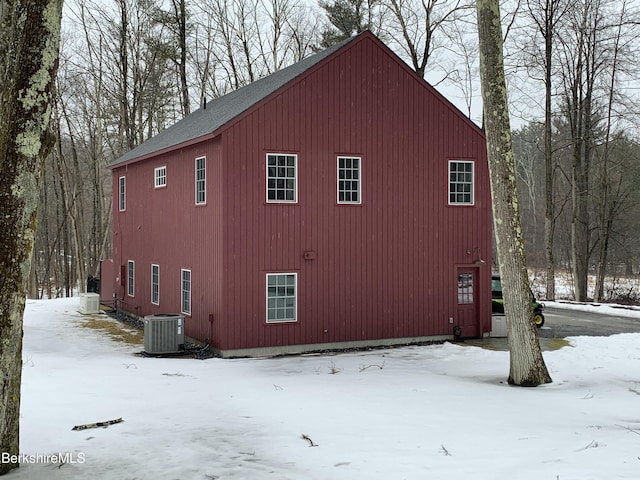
(221, 110)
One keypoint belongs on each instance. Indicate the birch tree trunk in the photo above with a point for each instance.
(527, 367)
(29, 42)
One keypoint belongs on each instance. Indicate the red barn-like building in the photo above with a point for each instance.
(340, 202)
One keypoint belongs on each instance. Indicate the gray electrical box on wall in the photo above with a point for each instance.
(163, 333)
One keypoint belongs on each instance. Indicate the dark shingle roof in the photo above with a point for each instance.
(221, 110)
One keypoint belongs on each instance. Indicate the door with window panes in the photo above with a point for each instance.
(467, 304)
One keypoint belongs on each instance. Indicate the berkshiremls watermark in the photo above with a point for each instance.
(57, 458)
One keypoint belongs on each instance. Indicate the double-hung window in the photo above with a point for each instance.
(282, 178)
(131, 278)
(122, 194)
(155, 284)
(350, 180)
(160, 177)
(185, 294)
(282, 301)
(201, 180)
(460, 182)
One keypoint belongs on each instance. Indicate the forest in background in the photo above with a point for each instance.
(130, 68)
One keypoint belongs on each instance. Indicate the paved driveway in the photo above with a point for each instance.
(561, 323)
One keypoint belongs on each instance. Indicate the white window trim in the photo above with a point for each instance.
(295, 304)
(157, 302)
(295, 178)
(157, 177)
(131, 278)
(122, 193)
(343, 202)
(473, 184)
(182, 271)
(204, 180)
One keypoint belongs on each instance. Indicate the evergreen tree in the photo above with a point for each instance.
(346, 18)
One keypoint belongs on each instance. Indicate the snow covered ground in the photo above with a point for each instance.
(423, 412)
(615, 288)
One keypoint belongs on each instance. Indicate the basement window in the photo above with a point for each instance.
(282, 301)
(460, 182)
(282, 178)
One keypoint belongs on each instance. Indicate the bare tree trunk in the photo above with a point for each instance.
(29, 40)
(127, 130)
(206, 66)
(75, 182)
(605, 211)
(582, 122)
(62, 253)
(220, 9)
(546, 15)
(580, 218)
(553, 11)
(95, 147)
(180, 10)
(527, 367)
(106, 239)
(549, 215)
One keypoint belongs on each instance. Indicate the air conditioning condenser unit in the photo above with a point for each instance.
(163, 333)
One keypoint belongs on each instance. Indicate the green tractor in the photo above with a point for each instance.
(497, 303)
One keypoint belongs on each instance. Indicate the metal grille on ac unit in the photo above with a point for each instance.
(163, 333)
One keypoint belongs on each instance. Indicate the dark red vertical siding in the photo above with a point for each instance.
(163, 226)
(386, 268)
(383, 269)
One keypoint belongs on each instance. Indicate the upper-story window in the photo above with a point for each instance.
(460, 182)
(349, 180)
(160, 177)
(122, 194)
(201, 181)
(282, 178)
